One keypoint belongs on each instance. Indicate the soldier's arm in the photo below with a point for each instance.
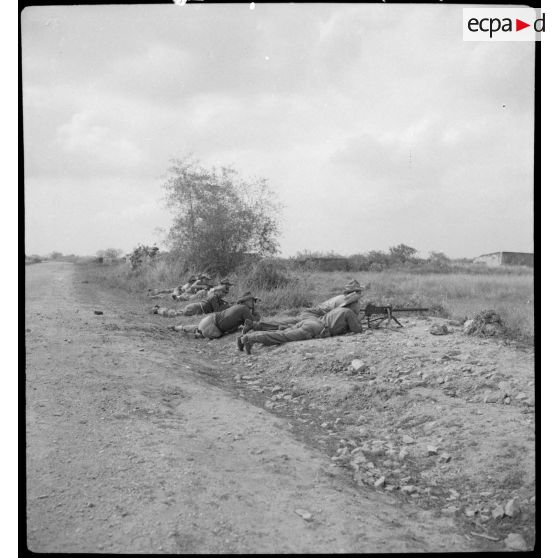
(354, 323)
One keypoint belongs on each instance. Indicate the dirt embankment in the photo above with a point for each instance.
(142, 440)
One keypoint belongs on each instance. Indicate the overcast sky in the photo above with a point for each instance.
(375, 124)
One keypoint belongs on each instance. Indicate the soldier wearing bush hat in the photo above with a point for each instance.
(226, 284)
(352, 287)
(226, 321)
(338, 321)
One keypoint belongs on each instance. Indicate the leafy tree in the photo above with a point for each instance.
(378, 259)
(219, 216)
(56, 255)
(438, 258)
(143, 254)
(402, 253)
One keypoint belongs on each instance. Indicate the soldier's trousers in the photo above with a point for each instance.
(309, 328)
(279, 322)
(206, 327)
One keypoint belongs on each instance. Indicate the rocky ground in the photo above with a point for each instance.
(140, 439)
(447, 421)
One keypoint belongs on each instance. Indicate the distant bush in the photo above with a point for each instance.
(267, 274)
(143, 255)
(33, 259)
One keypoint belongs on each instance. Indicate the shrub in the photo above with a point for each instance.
(142, 255)
(219, 217)
(267, 274)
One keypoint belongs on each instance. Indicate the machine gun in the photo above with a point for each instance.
(384, 313)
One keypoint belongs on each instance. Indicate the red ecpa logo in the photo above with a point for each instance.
(493, 25)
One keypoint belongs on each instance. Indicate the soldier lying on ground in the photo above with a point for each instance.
(161, 293)
(338, 321)
(273, 324)
(199, 283)
(227, 321)
(213, 303)
(205, 291)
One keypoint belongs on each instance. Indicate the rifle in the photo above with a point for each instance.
(384, 313)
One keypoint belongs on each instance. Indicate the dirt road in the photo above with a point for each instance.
(131, 449)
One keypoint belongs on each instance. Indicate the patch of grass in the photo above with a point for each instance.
(156, 275)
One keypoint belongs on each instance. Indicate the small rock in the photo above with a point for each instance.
(491, 397)
(306, 515)
(512, 508)
(357, 365)
(505, 387)
(514, 541)
(469, 512)
(437, 329)
(498, 512)
(403, 454)
(98, 312)
(468, 326)
(380, 482)
(407, 439)
(450, 510)
(444, 458)
(377, 451)
(521, 396)
(453, 494)
(324, 424)
(275, 389)
(408, 489)
(431, 450)
(357, 460)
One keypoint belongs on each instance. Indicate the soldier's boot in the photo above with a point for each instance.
(247, 345)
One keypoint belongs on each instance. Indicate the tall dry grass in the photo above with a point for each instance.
(458, 296)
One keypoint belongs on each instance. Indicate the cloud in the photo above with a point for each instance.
(98, 147)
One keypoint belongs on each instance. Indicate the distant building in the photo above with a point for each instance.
(505, 258)
(326, 263)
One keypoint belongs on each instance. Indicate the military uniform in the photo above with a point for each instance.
(340, 320)
(308, 328)
(226, 321)
(273, 324)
